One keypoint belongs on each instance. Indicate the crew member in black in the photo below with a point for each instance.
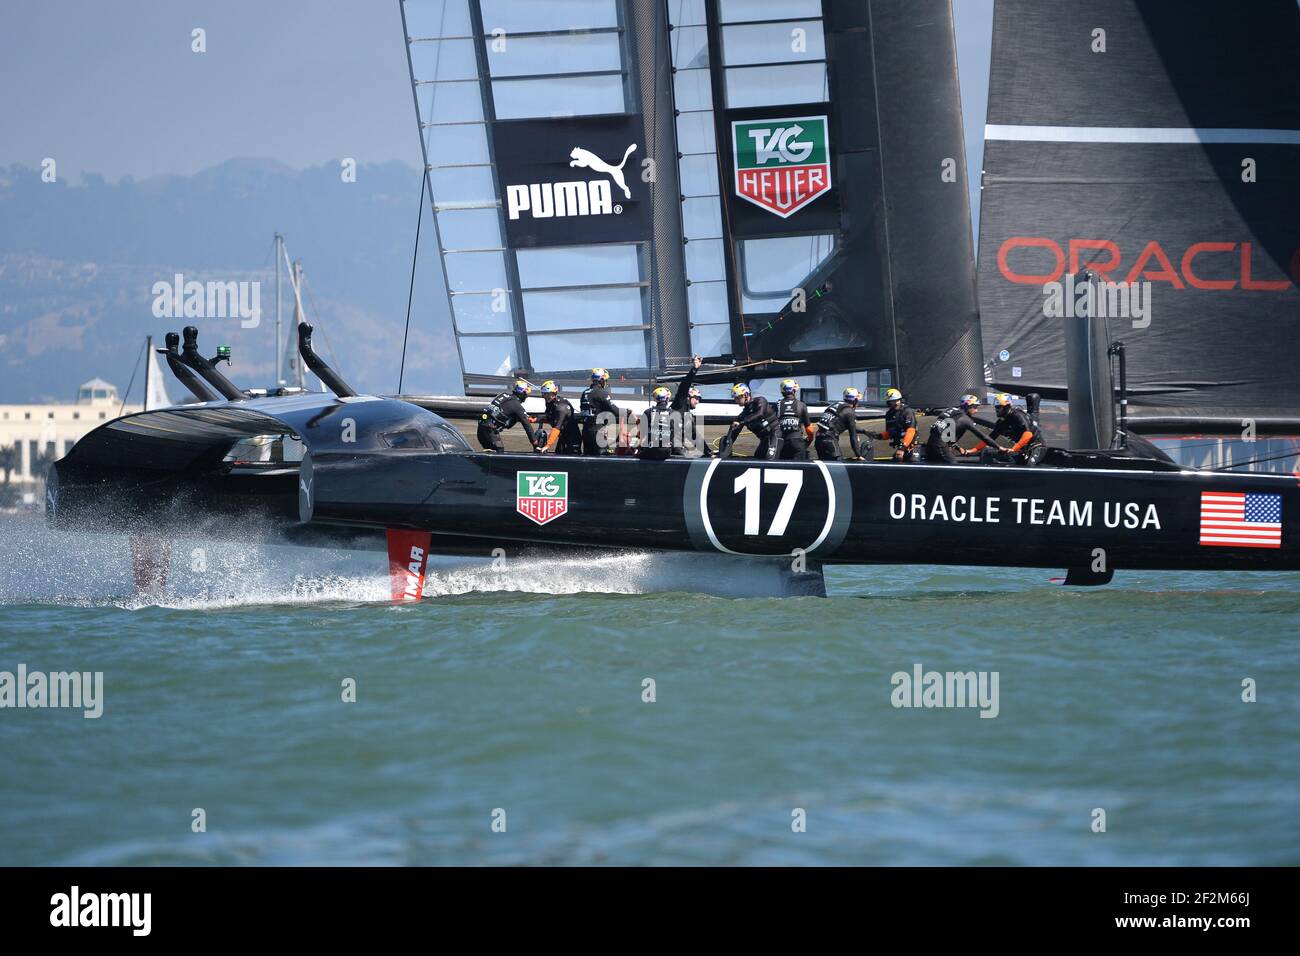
(660, 428)
(1018, 424)
(941, 446)
(900, 427)
(758, 415)
(564, 436)
(685, 401)
(794, 433)
(596, 410)
(502, 413)
(838, 418)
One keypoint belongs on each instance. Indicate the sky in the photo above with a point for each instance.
(112, 86)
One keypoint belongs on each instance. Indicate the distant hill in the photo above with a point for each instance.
(78, 262)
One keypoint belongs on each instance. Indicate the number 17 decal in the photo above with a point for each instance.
(751, 481)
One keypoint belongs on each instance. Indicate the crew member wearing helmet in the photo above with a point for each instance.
(838, 418)
(502, 413)
(685, 400)
(794, 433)
(564, 436)
(948, 429)
(758, 415)
(900, 427)
(660, 427)
(1016, 423)
(595, 411)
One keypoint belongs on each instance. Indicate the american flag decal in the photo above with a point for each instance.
(1236, 519)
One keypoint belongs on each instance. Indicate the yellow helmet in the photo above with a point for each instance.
(968, 400)
(789, 387)
(599, 375)
(550, 388)
(893, 395)
(739, 389)
(1002, 399)
(661, 394)
(522, 388)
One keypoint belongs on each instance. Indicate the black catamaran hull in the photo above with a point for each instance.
(828, 512)
(172, 472)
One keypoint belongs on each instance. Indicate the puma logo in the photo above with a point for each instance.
(578, 197)
(304, 486)
(586, 159)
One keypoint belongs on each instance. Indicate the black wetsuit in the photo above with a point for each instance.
(791, 430)
(897, 422)
(947, 430)
(499, 414)
(759, 416)
(838, 418)
(682, 403)
(660, 433)
(1013, 425)
(594, 402)
(563, 421)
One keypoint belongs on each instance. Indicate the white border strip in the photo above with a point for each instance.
(1141, 134)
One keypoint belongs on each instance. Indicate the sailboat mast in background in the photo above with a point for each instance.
(279, 245)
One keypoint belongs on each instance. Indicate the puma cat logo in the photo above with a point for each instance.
(586, 159)
(579, 197)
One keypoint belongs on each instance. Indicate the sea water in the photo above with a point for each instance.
(274, 708)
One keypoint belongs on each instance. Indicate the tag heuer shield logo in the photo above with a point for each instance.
(782, 164)
(542, 495)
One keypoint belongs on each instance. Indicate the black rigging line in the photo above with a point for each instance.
(1256, 461)
(127, 393)
(410, 292)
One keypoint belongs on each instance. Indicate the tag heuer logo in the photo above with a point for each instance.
(543, 495)
(782, 164)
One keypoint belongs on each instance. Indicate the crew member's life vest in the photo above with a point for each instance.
(897, 422)
(495, 416)
(659, 428)
(831, 420)
(788, 417)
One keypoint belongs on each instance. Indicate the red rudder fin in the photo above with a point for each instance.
(408, 555)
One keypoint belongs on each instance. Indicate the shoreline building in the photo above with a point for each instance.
(51, 429)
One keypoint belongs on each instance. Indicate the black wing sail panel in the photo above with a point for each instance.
(1163, 153)
(823, 201)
